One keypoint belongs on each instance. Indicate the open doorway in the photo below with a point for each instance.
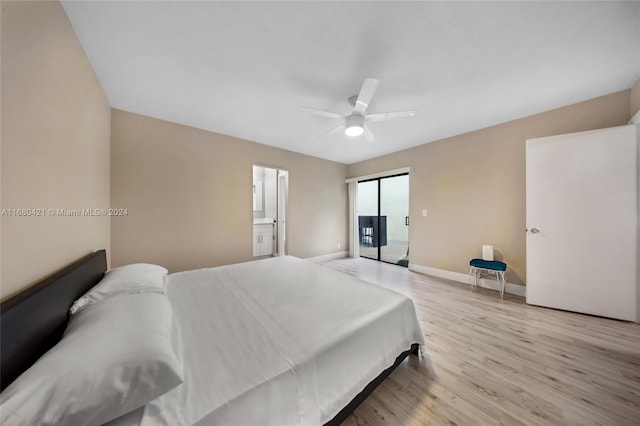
(270, 188)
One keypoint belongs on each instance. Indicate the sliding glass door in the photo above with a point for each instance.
(383, 219)
(368, 218)
(394, 205)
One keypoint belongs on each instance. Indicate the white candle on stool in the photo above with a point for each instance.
(487, 252)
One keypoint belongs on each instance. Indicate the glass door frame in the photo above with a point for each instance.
(379, 179)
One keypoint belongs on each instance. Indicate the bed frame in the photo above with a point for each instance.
(33, 321)
(368, 390)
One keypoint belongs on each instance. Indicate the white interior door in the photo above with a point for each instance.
(282, 211)
(582, 235)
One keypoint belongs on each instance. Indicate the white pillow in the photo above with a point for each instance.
(128, 279)
(115, 356)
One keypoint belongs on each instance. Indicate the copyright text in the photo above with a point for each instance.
(58, 212)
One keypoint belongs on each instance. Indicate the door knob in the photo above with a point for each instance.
(534, 230)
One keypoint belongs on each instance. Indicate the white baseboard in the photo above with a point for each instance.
(516, 289)
(330, 256)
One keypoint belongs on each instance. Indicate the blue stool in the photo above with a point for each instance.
(480, 268)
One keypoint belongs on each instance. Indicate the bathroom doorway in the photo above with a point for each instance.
(270, 187)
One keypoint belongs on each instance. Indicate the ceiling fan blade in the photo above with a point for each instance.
(368, 134)
(322, 113)
(390, 115)
(367, 91)
(331, 130)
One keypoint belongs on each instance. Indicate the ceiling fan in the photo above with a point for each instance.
(355, 124)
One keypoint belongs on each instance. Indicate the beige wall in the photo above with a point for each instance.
(188, 193)
(473, 185)
(55, 144)
(635, 98)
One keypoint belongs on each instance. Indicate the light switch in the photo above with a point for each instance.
(424, 212)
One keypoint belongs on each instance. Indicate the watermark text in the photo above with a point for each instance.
(60, 212)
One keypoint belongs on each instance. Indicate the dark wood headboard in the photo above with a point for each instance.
(33, 321)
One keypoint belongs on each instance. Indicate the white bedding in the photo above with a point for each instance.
(279, 341)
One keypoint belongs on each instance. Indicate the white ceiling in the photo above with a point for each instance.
(245, 68)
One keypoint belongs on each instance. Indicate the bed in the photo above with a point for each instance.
(274, 341)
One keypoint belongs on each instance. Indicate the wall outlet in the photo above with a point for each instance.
(424, 212)
(338, 246)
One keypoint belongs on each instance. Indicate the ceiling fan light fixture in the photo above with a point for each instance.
(354, 131)
(354, 125)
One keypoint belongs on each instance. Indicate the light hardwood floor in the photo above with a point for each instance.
(502, 362)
